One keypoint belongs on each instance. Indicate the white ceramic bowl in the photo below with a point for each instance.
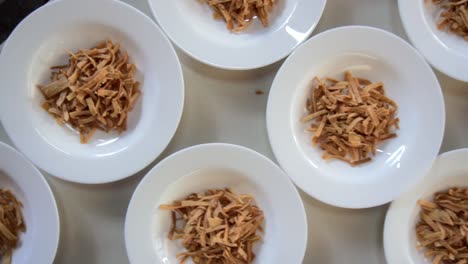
(38, 43)
(191, 26)
(445, 51)
(449, 170)
(39, 243)
(378, 56)
(208, 166)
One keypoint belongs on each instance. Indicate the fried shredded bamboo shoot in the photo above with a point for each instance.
(442, 231)
(11, 224)
(453, 16)
(349, 118)
(239, 14)
(95, 90)
(218, 226)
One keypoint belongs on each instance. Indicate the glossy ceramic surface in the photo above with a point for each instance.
(450, 170)
(208, 166)
(191, 26)
(378, 56)
(40, 241)
(445, 51)
(39, 42)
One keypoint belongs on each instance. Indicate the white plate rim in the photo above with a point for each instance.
(434, 52)
(286, 166)
(127, 171)
(202, 147)
(392, 224)
(248, 67)
(55, 238)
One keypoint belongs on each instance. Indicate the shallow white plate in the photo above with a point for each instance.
(39, 243)
(445, 51)
(378, 56)
(449, 170)
(203, 167)
(38, 42)
(191, 26)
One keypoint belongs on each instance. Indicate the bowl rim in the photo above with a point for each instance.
(403, 205)
(55, 238)
(122, 173)
(253, 66)
(218, 148)
(275, 139)
(435, 52)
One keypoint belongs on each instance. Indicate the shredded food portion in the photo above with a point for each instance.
(349, 118)
(217, 227)
(11, 224)
(454, 16)
(239, 14)
(442, 231)
(95, 90)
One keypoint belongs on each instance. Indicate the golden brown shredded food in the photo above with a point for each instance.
(217, 227)
(442, 231)
(239, 14)
(95, 90)
(453, 16)
(349, 118)
(11, 224)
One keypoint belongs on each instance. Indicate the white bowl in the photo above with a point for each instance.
(209, 166)
(191, 26)
(449, 170)
(39, 243)
(376, 55)
(38, 43)
(445, 51)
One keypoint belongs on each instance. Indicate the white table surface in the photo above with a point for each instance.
(221, 106)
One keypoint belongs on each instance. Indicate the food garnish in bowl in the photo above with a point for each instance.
(218, 226)
(11, 224)
(453, 16)
(95, 90)
(239, 14)
(442, 231)
(350, 118)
